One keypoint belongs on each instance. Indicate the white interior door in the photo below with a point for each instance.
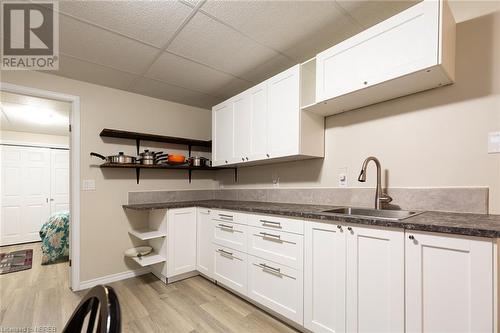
(25, 191)
(59, 180)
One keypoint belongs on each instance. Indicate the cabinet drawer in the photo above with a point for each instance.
(228, 216)
(231, 235)
(281, 247)
(277, 287)
(230, 268)
(277, 223)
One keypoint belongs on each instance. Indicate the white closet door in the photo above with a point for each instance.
(25, 191)
(59, 181)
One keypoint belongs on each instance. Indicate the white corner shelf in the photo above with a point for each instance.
(147, 234)
(149, 259)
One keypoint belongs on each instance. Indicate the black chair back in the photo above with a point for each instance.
(104, 299)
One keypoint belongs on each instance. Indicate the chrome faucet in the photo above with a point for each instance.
(380, 196)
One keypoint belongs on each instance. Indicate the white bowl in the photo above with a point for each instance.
(138, 251)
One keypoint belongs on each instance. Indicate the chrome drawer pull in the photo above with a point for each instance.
(222, 226)
(265, 234)
(221, 251)
(271, 223)
(270, 267)
(225, 215)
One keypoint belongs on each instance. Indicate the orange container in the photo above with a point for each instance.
(176, 159)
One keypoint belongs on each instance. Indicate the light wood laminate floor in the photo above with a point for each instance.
(41, 297)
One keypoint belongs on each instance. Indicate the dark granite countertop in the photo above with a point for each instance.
(481, 225)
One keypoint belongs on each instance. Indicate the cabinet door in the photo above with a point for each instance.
(258, 149)
(283, 114)
(278, 287)
(324, 277)
(222, 129)
(242, 111)
(204, 262)
(449, 283)
(402, 44)
(181, 233)
(375, 280)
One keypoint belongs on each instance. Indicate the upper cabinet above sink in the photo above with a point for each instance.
(407, 53)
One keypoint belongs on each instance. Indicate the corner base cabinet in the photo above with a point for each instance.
(181, 230)
(449, 283)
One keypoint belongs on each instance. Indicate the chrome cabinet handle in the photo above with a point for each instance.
(225, 226)
(271, 223)
(226, 215)
(349, 228)
(265, 234)
(339, 227)
(274, 269)
(221, 251)
(411, 237)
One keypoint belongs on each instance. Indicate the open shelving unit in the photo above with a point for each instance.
(147, 234)
(149, 259)
(138, 137)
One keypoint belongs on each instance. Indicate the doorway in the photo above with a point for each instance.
(39, 181)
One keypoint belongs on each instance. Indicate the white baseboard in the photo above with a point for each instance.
(112, 278)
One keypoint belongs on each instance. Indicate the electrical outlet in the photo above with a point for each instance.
(276, 180)
(343, 177)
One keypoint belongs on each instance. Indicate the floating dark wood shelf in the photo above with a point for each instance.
(112, 133)
(138, 167)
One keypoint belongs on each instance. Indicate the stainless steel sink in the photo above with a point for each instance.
(395, 215)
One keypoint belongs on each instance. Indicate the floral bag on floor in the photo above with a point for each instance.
(55, 238)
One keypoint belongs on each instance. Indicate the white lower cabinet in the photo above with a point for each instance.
(204, 262)
(449, 283)
(230, 234)
(324, 277)
(277, 287)
(354, 279)
(230, 268)
(181, 230)
(375, 273)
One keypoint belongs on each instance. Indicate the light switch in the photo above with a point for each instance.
(493, 142)
(88, 185)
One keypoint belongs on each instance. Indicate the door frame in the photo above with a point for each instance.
(74, 120)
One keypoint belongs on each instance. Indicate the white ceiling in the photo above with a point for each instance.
(23, 113)
(199, 53)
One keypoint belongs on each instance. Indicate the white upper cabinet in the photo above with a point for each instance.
(449, 283)
(242, 112)
(283, 116)
(258, 126)
(222, 129)
(409, 52)
(266, 123)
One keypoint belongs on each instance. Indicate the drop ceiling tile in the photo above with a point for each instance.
(210, 42)
(233, 88)
(84, 71)
(153, 22)
(179, 71)
(368, 13)
(284, 25)
(100, 46)
(269, 68)
(161, 90)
